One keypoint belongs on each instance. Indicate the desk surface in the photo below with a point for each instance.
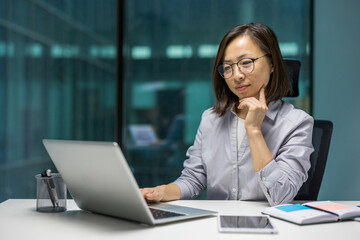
(19, 220)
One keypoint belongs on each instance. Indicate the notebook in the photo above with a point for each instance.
(100, 181)
(313, 212)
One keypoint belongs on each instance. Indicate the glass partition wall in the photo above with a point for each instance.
(59, 76)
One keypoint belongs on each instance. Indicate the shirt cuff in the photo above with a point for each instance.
(267, 178)
(184, 190)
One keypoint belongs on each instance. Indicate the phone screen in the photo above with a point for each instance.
(245, 224)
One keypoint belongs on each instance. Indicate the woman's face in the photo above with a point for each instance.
(248, 84)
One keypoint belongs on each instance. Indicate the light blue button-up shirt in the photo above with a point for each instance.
(214, 161)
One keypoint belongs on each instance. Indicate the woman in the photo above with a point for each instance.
(251, 145)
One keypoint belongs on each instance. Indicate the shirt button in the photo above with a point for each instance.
(234, 190)
(263, 178)
(234, 166)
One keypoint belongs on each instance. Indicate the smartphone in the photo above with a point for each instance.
(245, 224)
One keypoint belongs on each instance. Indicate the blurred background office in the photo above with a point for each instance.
(139, 72)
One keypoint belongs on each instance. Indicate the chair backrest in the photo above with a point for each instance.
(321, 142)
(293, 69)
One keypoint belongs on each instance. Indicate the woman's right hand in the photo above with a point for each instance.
(155, 194)
(163, 193)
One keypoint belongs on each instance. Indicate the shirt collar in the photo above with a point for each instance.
(273, 109)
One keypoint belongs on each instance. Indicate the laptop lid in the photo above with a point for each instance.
(100, 180)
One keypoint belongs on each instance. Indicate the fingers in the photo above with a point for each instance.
(250, 103)
(262, 97)
(151, 194)
(145, 191)
(256, 111)
(253, 102)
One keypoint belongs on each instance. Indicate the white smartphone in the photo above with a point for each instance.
(245, 224)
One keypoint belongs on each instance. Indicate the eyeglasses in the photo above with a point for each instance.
(245, 65)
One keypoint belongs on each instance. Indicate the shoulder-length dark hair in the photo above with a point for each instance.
(265, 38)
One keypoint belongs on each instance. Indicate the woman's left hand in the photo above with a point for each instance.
(257, 109)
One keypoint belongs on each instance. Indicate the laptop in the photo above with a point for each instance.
(142, 134)
(100, 181)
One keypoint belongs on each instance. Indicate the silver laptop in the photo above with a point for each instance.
(100, 180)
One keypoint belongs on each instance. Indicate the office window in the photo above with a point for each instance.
(169, 50)
(57, 80)
(58, 76)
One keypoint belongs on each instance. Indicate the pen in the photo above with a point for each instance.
(51, 187)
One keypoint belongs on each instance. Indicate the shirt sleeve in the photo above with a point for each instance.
(193, 177)
(282, 178)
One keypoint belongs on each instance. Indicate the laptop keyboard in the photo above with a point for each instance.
(158, 214)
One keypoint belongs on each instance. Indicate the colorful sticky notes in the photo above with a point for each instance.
(331, 207)
(292, 207)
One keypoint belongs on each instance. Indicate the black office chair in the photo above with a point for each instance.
(293, 69)
(321, 142)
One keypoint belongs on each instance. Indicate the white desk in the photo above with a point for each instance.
(19, 220)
